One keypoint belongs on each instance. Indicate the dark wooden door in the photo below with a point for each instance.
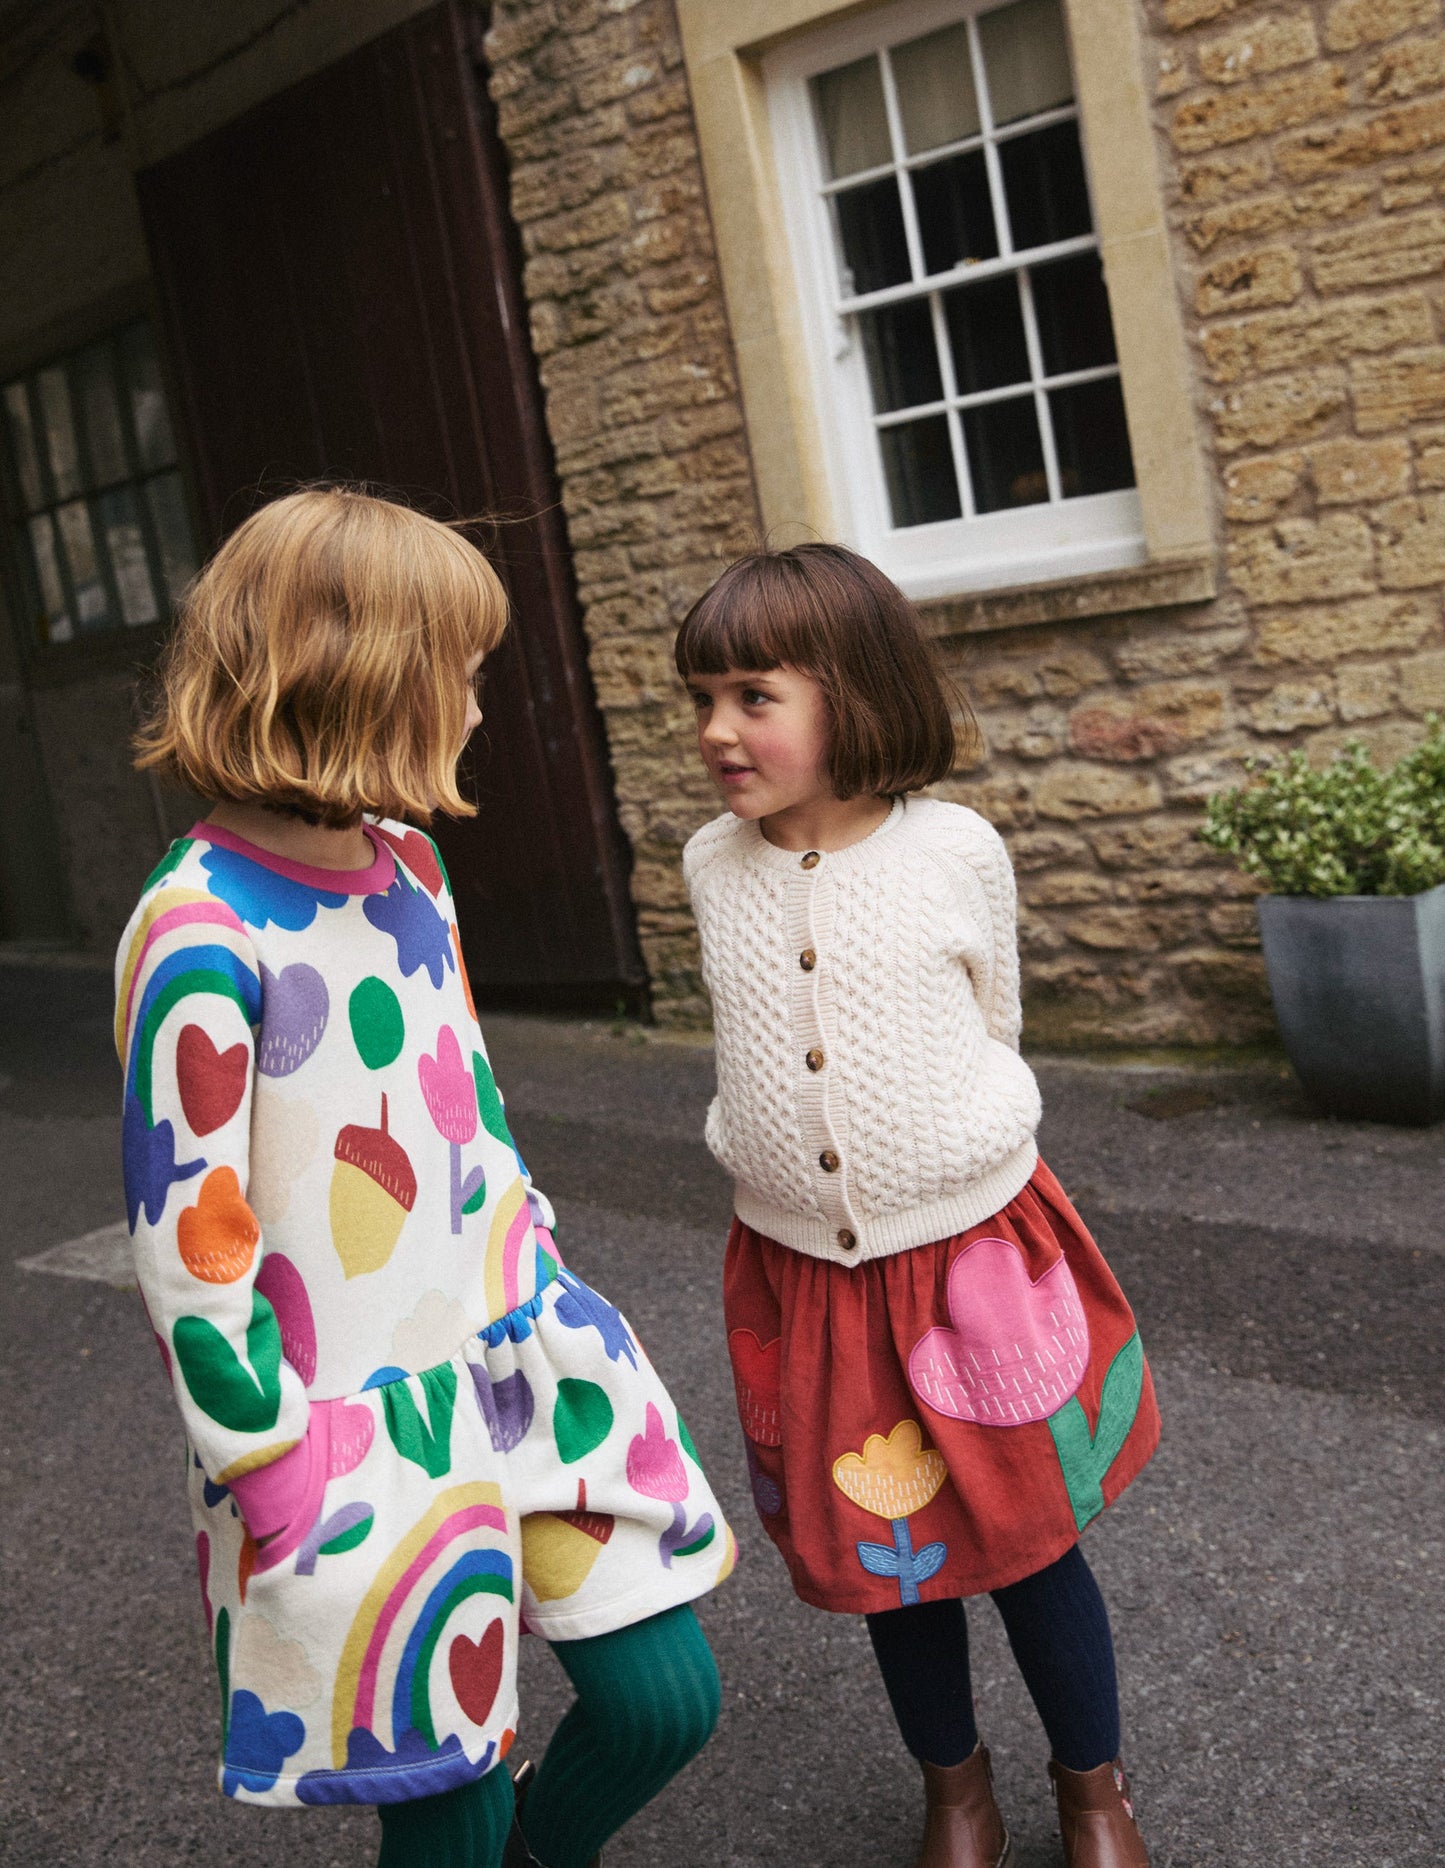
(340, 279)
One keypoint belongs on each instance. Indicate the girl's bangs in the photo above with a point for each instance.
(742, 623)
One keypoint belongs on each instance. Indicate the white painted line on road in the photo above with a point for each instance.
(103, 1256)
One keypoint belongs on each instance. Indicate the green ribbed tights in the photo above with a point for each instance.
(647, 1701)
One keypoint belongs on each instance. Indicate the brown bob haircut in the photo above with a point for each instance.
(319, 662)
(834, 616)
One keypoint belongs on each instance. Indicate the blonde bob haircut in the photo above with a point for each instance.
(319, 662)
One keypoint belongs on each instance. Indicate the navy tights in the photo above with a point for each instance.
(1058, 1628)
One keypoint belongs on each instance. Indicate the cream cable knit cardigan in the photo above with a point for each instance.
(866, 1005)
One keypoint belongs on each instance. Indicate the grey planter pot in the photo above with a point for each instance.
(1358, 983)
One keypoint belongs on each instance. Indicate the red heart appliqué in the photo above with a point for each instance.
(416, 852)
(212, 1082)
(476, 1670)
(757, 1376)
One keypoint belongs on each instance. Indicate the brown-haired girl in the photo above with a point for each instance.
(409, 1424)
(939, 1381)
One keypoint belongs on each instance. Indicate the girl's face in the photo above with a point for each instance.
(763, 739)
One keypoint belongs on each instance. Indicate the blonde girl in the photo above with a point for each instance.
(939, 1381)
(410, 1428)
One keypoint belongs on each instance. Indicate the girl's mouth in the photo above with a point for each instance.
(731, 774)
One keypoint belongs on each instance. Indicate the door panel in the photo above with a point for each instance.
(341, 284)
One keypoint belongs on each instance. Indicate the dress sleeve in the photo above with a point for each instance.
(1003, 1014)
(188, 1003)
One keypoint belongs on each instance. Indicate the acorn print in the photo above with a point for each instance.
(559, 1548)
(373, 1189)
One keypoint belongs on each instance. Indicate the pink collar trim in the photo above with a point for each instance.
(375, 879)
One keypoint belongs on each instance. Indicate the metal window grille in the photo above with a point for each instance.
(968, 267)
(99, 504)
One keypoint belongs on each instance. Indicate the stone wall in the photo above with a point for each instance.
(642, 403)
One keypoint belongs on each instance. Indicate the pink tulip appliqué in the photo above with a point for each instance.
(1017, 1350)
(655, 1468)
(450, 1092)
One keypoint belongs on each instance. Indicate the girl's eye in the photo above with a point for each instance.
(700, 701)
(477, 683)
(753, 697)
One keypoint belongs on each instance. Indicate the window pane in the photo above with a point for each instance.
(57, 623)
(172, 522)
(154, 440)
(81, 558)
(918, 466)
(954, 215)
(1005, 454)
(986, 332)
(1025, 59)
(1091, 438)
(124, 540)
(101, 408)
(59, 420)
(936, 98)
(852, 117)
(22, 442)
(1072, 308)
(870, 227)
(902, 356)
(1043, 179)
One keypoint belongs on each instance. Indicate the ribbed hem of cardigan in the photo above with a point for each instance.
(881, 1235)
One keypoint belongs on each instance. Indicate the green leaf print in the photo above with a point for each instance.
(246, 1400)
(169, 863)
(581, 1420)
(687, 1445)
(348, 1539)
(377, 1024)
(1086, 1457)
(489, 1101)
(427, 1443)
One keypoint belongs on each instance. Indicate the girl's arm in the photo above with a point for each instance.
(979, 864)
(188, 999)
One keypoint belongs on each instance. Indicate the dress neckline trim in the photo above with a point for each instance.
(375, 879)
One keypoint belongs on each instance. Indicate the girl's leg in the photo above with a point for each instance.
(647, 1701)
(922, 1653)
(463, 1828)
(1058, 1628)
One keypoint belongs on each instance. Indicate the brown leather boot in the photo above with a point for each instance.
(1096, 1818)
(963, 1828)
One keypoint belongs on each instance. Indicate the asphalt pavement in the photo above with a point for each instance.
(1275, 1578)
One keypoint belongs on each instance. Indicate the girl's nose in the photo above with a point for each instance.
(718, 732)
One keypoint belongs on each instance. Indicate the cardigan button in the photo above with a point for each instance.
(847, 1240)
(808, 959)
(829, 1162)
(812, 860)
(814, 1059)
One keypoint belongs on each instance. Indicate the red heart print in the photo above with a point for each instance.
(212, 1082)
(416, 852)
(757, 1376)
(476, 1670)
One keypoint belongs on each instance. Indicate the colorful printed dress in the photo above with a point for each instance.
(340, 1249)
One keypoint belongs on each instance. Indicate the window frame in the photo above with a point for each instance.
(783, 364)
(123, 646)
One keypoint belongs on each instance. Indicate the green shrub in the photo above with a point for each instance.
(1344, 829)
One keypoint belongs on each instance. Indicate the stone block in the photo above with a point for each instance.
(1148, 721)
(1278, 410)
(1227, 173)
(1253, 50)
(1430, 458)
(1379, 626)
(1412, 542)
(1406, 246)
(1120, 928)
(1422, 683)
(1165, 656)
(1255, 490)
(1322, 202)
(1194, 777)
(1236, 924)
(1041, 849)
(1385, 740)
(1249, 282)
(1352, 23)
(1202, 884)
(1407, 68)
(1234, 116)
(1299, 560)
(1037, 733)
(1182, 14)
(1346, 471)
(1317, 334)
(1147, 842)
(1066, 888)
(1399, 131)
(1389, 392)
(1292, 705)
(1173, 74)
(1072, 791)
(1222, 975)
(1365, 690)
